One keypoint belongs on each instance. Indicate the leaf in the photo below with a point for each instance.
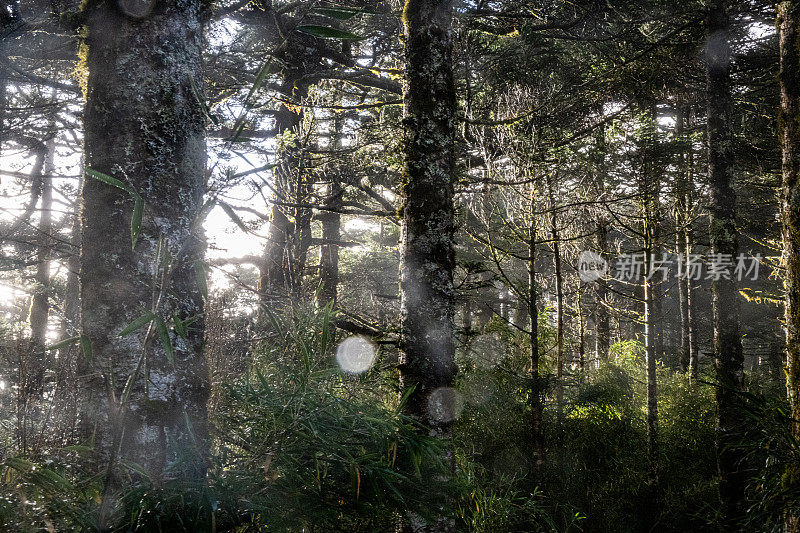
(325, 32)
(63, 344)
(259, 81)
(202, 101)
(134, 467)
(105, 178)
(19, 464)
(274, 322)
(136, 219)
(233, 216)
(263, 72)
(163, 332)
(137, 324)
(86, 348)
(339, 13)
(138, 203)
(201, 277)
(179, 325)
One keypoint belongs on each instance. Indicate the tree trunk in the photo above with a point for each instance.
(650, 363)
(40, 303)
(688, 236)
(724, 240)
(428, 254)
(536, 393)
(789, 39)
(601, 318)
(331, 226)
(649, 189)
(681, 244)
(9, 17)
(280, 276)
(559, 307)
(581, 334)
(329, 251)
(144, 126)
(427, 362)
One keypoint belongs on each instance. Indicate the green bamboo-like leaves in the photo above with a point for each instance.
(138, 202)
(137, 324)
(202, 101)
(62, 344)
(338, 13)
(86, 348)
(163, 333)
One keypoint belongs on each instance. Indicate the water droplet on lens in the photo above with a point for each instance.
(444, 405)
(355, 355)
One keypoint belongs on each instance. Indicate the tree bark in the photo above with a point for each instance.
(724, 240)
(427, 332)
(329, 252)
(428, 252)
(789, 123)
(144, 126)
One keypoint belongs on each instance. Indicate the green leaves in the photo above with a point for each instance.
(62, 344)
(86, 348)
(105, 178)
(263, 72)
(338, 13)
(202, 101)
(136, 219)
(163, 333)
(137, 324)
(326, 32)
(138, 202)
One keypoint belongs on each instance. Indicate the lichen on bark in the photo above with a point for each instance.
(145, 127)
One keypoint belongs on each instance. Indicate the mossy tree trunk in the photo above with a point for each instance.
(428, 257)
(789, 39)
(144, 126)
(724, 240)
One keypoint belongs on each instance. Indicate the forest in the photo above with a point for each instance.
(400, 265)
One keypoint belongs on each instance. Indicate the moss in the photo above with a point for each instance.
(81, 71)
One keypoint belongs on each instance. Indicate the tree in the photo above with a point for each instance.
(427, 255)
(789, 33)
(724, 244)
(145, 393)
